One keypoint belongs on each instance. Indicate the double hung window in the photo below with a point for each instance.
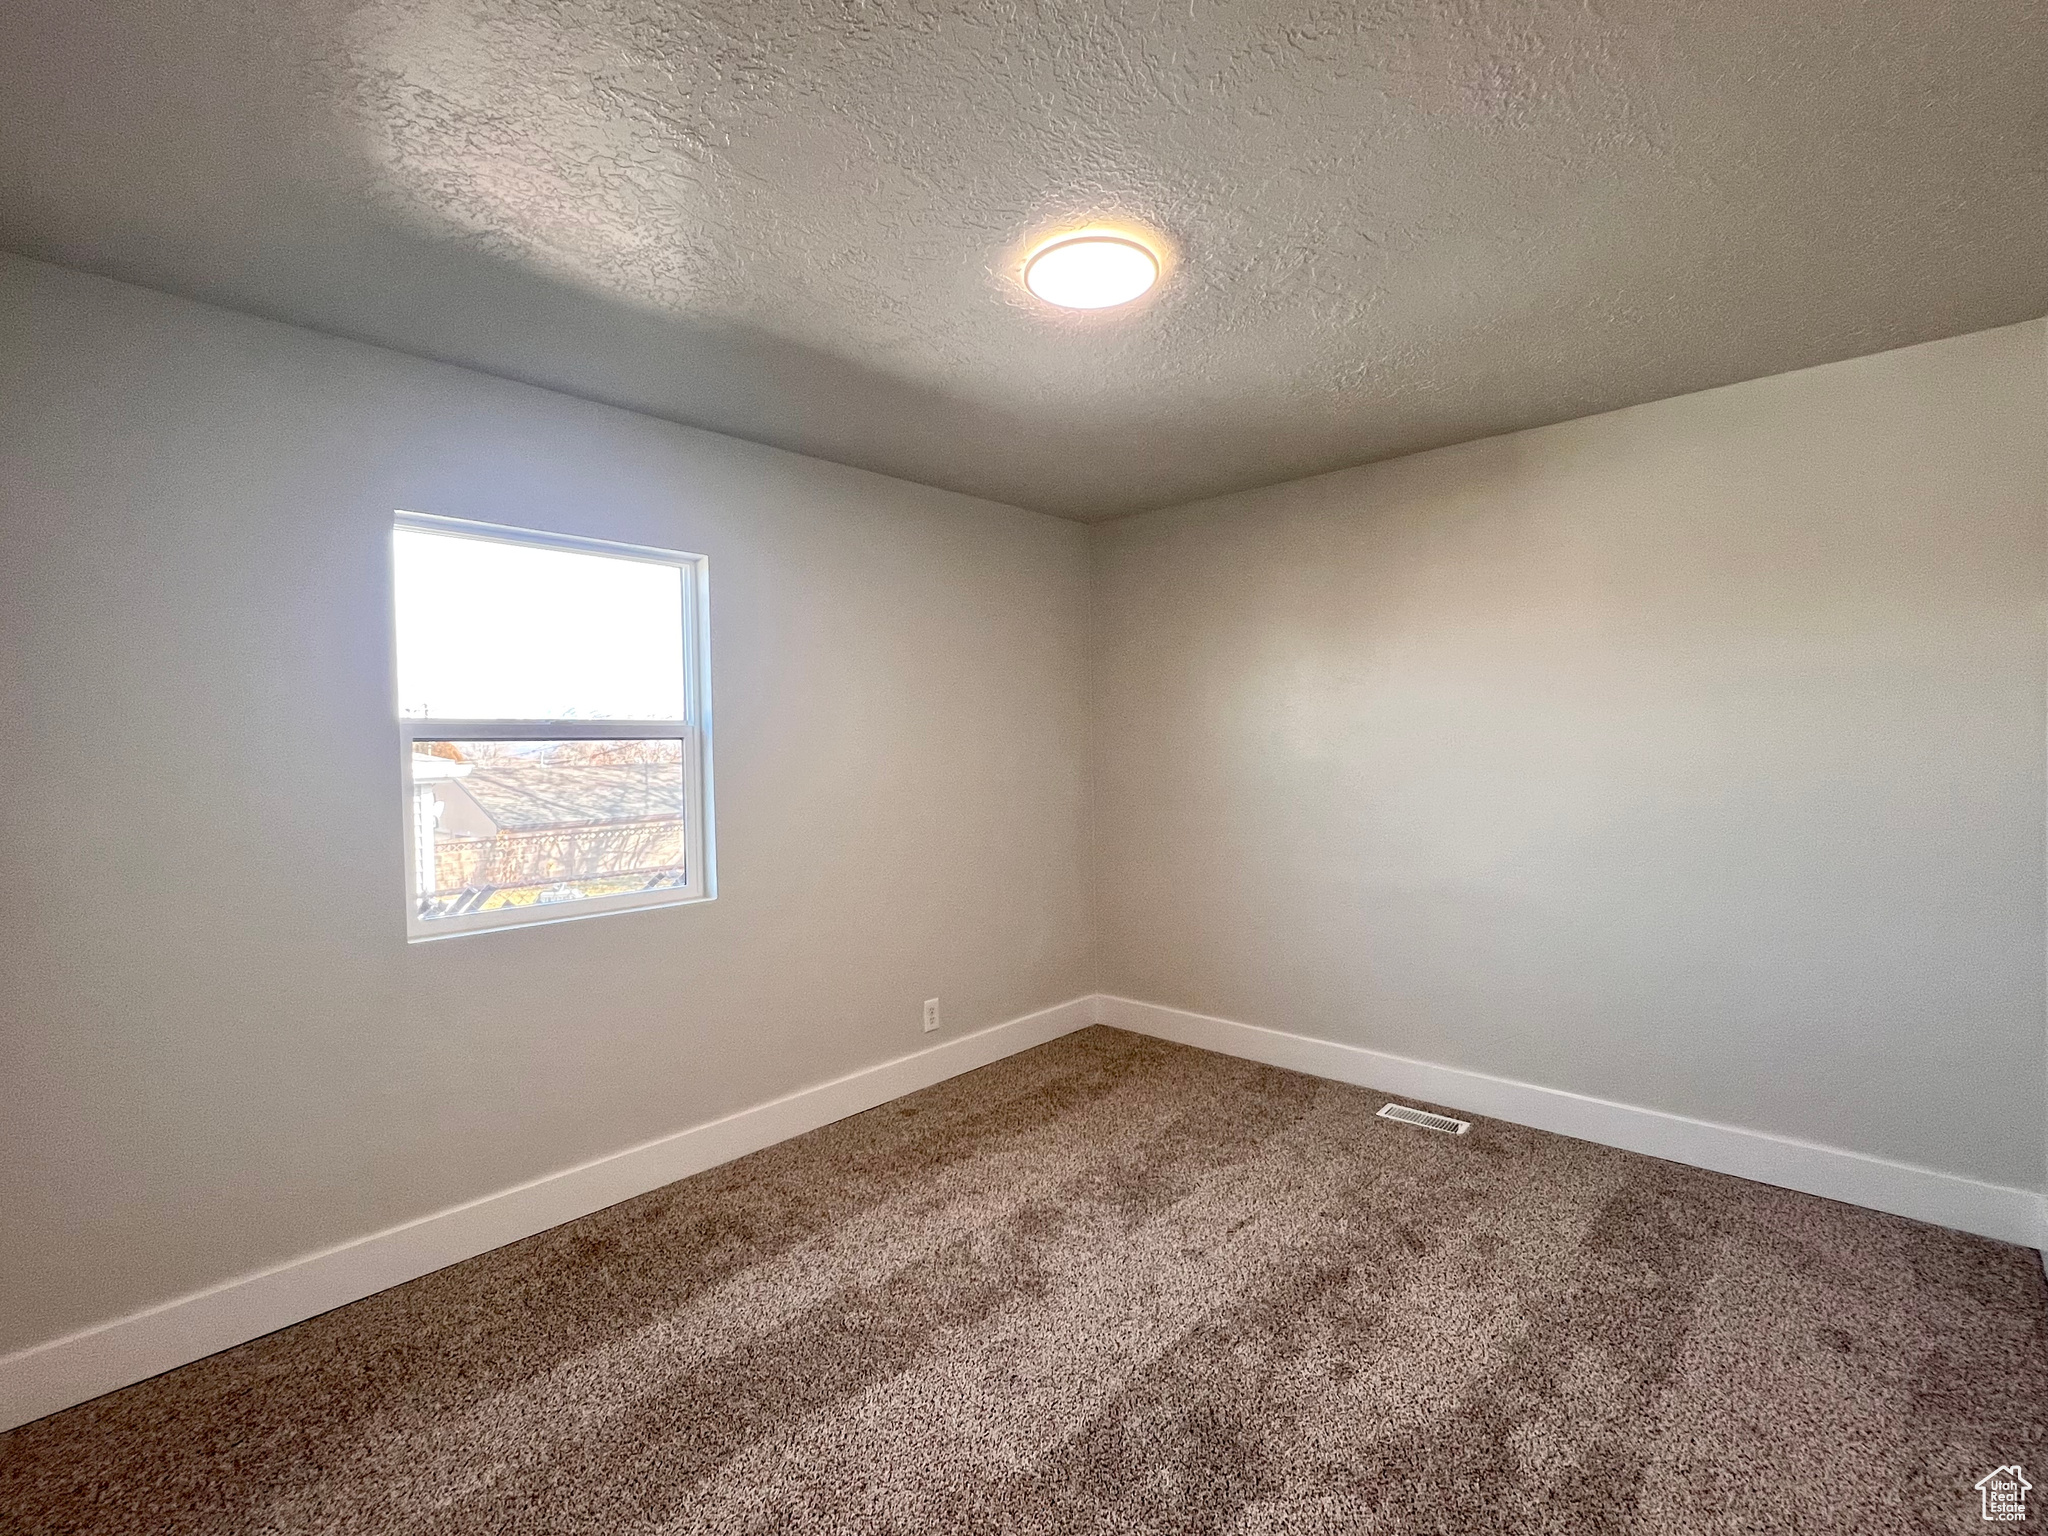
(554, 726)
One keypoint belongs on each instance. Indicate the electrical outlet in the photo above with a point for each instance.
(931, 1014)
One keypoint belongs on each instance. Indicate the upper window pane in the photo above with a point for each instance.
(489, 630)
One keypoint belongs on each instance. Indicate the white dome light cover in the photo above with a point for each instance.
(1091, 270)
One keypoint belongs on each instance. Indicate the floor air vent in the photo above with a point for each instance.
(1425, 1119)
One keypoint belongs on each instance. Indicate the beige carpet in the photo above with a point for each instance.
(1116, 1285)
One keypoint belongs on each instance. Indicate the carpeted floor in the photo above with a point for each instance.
(1116, 1285)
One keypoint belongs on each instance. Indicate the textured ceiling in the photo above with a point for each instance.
(1394, 224)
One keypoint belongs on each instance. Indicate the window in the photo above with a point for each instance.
(554, 724)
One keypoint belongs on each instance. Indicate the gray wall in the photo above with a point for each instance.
(1689, 756)
(219, 1050)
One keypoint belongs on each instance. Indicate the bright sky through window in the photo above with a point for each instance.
(497, 631)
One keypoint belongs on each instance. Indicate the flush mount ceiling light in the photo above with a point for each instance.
(1091, 271)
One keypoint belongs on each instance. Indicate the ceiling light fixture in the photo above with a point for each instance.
(1091, 271)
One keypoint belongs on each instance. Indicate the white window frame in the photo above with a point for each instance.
(693, 730)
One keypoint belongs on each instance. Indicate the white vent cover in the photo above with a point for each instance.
(1425, 1119)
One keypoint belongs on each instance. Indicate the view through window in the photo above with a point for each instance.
(550, 708)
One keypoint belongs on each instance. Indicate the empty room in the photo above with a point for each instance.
(910, 766)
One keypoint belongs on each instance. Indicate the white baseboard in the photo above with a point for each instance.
(82, 1365)
(1945, 1199)
(46, 1377)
